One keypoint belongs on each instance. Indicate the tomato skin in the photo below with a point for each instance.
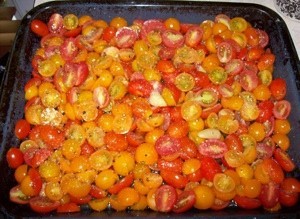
(278, 88)
(14, 157)
(35, 156)
(42, 204)
(124, 182)
(174, 179)
(284, 160)
(140, 87)
(174, 165)
(247, 203)
(265, 111)
(22, 128)
(209, 168)
(52, 136)
(269, 195)
(288, 199)
(233, 142)
(68, 208)
(39, 27)
(165, 198)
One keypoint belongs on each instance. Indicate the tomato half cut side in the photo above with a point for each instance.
(165, 198)
(213, 148)
(185, 201)
(17, 196)
(282, 109)
(167, 145)
(68, 208)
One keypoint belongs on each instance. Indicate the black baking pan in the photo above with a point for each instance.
(19, 71)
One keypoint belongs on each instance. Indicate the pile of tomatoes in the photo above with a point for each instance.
(155, 114)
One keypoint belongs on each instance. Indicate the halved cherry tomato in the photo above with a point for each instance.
(209, 168)
(122, 183)
(172, 38)
(278, 88)
(282, 109)
(68, 208)
(206, 97)
(35, 156)
(174, 179)
(39, 27)
(126, 37)
(17, 196)
(167, 145)
(165, 198)
(140, 87)
(55, 23)
(213, 148)
(42, 204)
(247, 203)
(284, 160)
(269, 195)
(185, 201)
(193, 36)
(225, 52)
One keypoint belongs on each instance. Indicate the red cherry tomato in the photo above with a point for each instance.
(97, 192)
(290, 185)
(109, 33)
(213, 148)
(284, 160)
(73, 33)
(173, 165)
(165, 198)
(209, 168)
(69, 49)
(36, 156)
(269, 195)
(247, 203)
(39, 27)
(68, 208)
(185, 201)
(14, 157)
(278, 88)
(234, 66)
(81, 200)
(193, 36)
(167, 145)
(288, 199)
(124, 182)
(42, 204)
(265, 110)
(52, 136)
(248, 79)
(233, 142)
(55, 24)
(263, 38)
(188, 148)
(140, 87)
(282, 109)
(174, 179)
(126, 37)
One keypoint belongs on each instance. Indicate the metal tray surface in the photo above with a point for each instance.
(287, 65)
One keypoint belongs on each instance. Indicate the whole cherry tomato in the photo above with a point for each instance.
(39, 27)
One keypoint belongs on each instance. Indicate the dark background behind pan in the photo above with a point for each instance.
(19, 71)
